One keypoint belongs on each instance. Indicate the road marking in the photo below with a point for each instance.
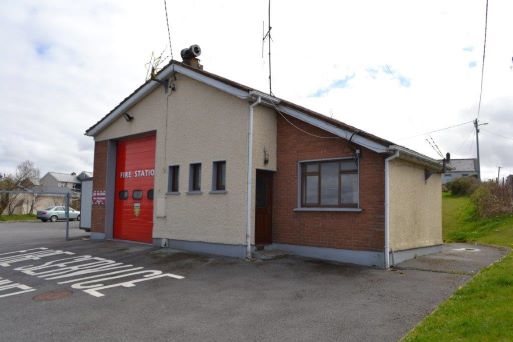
(6, 284)
(96, 270)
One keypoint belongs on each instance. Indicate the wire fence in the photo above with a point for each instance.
(65, 195)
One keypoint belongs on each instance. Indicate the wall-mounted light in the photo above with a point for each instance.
(266, 157)
(128, 117)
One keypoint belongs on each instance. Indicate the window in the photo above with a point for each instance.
(123, 195)
(173, 176)
(195, 177)
(137, 194)
(219, 176)
(331, 184)
(149, 194)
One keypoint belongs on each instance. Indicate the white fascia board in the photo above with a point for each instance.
(242, 94)
(420, 158)
(165, 74)
(123, 108)
(357, 139)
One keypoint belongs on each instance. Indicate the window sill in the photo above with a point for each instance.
(194, 192)
(357, 210)
(218, 192)
(174, 193)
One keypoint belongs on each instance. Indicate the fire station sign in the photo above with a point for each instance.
(137, 173)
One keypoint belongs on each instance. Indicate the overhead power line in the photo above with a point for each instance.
(437, 130)
(497, 134)
(483, 64)
(434, 147)
(168, 30)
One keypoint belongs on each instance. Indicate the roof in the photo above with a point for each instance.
(64, 177)
(326, 123)
(463, 165)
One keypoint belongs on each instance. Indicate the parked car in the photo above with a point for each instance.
(57, 213)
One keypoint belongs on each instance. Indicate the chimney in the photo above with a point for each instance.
(189, 56)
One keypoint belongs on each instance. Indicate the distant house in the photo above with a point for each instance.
(62, 182)
(458, 168)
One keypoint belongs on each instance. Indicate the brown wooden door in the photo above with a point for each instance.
(263, 208)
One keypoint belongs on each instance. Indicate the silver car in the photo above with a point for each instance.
(57, 213)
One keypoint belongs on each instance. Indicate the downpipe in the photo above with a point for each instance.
(387, 208)
(249, 199)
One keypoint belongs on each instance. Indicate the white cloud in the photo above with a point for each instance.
(92, 54)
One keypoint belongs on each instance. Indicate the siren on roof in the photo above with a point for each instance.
(192, 51)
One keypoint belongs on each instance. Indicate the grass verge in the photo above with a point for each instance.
(6, 218)
(481, 310)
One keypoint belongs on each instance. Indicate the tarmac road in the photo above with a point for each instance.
(218, 299)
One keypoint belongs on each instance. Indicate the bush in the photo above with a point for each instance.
(463, 186)
(492, 199)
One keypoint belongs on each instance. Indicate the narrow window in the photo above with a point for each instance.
(173, 176)
(219, 176)
(150, 194)
(195, 177)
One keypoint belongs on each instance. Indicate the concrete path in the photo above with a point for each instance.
(457, 258)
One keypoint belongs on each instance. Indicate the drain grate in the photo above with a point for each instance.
(53, 295)
(466, 249)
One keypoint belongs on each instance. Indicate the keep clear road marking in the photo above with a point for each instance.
(84, 272)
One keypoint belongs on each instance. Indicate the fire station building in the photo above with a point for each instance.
(197, 162)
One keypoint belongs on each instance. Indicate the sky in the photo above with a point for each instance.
(396, 69)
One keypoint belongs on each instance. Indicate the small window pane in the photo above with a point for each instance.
(348, 165)
(123, 195)
(349, 186)
(173, 177)
(329, 183)
(137, 194)
(312, 190)
(313, 167)
(195, 177)
(150, 194)
(219, 175)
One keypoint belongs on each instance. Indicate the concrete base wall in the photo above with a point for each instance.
(366, 258)
(97, 236)
(397, 257)
(236, 251)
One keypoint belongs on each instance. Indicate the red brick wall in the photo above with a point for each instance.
(347, 230)
(99, 184)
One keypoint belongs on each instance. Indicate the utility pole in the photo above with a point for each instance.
(498, 173)
(476, 125)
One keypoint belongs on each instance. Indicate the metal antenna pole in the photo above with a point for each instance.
(269, 32)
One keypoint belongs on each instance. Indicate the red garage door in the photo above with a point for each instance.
(135, 170)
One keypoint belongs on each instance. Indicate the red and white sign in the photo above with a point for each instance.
(137, 173)
(99, 197)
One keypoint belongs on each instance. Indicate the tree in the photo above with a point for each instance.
(25, 177)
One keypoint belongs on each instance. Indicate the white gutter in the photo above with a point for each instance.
(249, 199)
(387, 208)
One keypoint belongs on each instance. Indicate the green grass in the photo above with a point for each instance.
(27, 217)
(481, 310)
